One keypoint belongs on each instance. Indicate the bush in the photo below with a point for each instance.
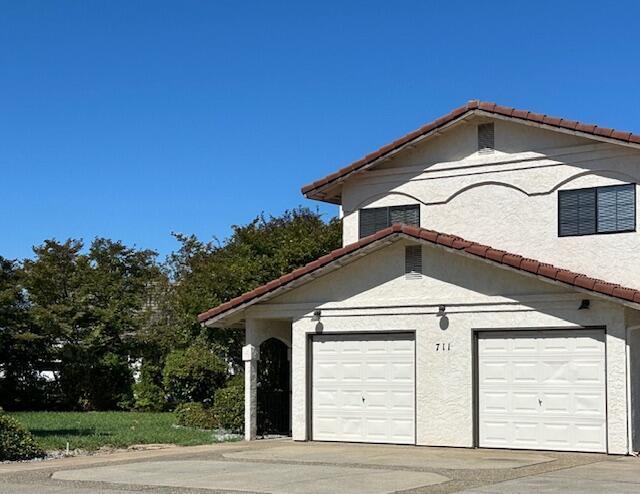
(228, 405)
(148, 392)
(16, 443)
(196, 415)
(192, 375)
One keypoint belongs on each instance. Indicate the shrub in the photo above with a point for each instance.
(228, 405)
(196, 415)
(192, 375)
(16, 443)
(148, 392)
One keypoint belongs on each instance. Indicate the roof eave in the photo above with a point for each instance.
(320, 193)
(320, 189)
(450, 243)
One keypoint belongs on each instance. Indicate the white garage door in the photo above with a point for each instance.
(542, 390)
(363, 388)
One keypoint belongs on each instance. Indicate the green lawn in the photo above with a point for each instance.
(92, 430)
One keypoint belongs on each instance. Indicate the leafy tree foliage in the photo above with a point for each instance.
(193, 374)
(208, 274)
(88, 313)
(22, 347)
(89, 307)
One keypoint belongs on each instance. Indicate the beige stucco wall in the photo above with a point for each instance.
(371, 294)
(506, 199)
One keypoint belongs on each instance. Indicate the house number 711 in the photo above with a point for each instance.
(443, 347)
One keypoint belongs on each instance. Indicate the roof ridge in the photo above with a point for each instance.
(498, 256)
(472, 106)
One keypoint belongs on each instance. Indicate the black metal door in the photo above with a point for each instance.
(273, 388)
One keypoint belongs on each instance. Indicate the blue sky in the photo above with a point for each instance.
(133, 119)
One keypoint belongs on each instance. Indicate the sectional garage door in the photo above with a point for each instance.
(542, 390)
(363, 388)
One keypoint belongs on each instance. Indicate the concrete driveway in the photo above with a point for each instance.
(284, 467)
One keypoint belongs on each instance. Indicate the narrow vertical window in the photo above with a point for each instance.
(413, 262)
(486, 138)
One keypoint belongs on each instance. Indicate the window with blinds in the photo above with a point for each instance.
(373, 220)
(609, 209)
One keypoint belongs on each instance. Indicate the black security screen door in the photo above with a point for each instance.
(273, 388)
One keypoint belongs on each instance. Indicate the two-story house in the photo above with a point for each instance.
(487, 293)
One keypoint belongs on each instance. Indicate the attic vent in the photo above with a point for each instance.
(486, 134)
(413, 262)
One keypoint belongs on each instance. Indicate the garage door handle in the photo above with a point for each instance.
(363, 399)
(539, 402)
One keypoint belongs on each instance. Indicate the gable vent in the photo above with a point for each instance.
(413, 262)
(486, 137)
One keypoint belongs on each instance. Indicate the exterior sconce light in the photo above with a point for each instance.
(584, 304)
(316, 315)
(441, 310)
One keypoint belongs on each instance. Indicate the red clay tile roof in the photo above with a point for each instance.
(501, 257)
(473, 106)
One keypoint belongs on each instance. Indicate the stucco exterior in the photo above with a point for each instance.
(508, 198)
(372, 294)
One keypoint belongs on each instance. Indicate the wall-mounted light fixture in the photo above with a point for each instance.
(584, 304)
(441, 310)
(316, 315)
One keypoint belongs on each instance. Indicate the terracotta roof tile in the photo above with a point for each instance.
(566, 276)
(495, 255)
(530, 265)
(488, 107)
(453, 242)
(512, 260)
(585, 282)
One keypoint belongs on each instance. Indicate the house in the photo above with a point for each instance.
(487, 293)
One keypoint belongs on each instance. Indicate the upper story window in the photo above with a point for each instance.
(373, 220)
(609, 209)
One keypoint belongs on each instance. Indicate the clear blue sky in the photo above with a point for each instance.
(133, 119)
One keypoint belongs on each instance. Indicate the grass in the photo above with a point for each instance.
(93, 430)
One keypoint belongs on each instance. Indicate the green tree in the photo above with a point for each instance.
(23, 350)
(207, 274)
(91, 306)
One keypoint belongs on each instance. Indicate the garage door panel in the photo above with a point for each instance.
(402, 372)
(522, 346)
(524, 402)
(494, 371)
(557, 434)
(402, 401)
(556, 372)
(590, 436)
(327, 371)
(589, 372)
(523, 371)
(525, 434)
(495, 401)
(589, 404)
(553, 399)
(557, 403)
(326, 398)
(349, 399)
(376, 372)
(369, 391)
